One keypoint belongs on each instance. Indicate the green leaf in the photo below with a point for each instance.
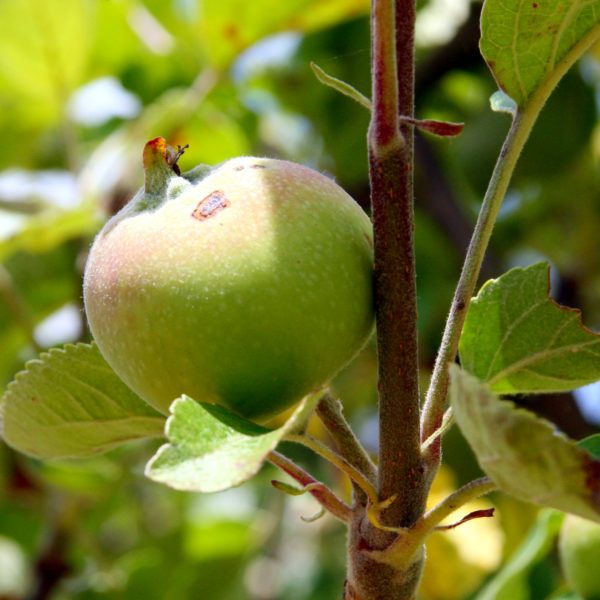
(523, 454)
(228, 28)
(212, 449)
(44, 48)
(518, 340)
(510, 583)
(70, 403)
(47, 230)
(340, 86)
(40, 284)
(591, 444)
(530, 45)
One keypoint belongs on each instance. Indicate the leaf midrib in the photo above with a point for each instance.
(538, 357)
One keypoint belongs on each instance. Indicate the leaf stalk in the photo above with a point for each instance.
(356, 476)
(331, 413)
(322, 494)
(437, 393)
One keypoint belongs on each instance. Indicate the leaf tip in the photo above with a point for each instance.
(149, 468)
(178, 403)
(435, 127)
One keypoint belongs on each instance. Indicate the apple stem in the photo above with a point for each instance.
(324, 496)
(159, 160)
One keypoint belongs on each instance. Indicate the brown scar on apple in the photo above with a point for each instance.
(211, 205)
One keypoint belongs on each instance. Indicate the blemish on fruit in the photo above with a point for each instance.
(239, 168)
(211, 205)
(257, 166)
(535, 5)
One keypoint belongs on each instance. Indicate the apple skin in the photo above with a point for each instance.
(250, 288)
(579, 551)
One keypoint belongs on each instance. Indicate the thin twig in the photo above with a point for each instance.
(470, 491)
(409, 541)
(322, 494)
(331, 413)
(338, 461)
(435, 403)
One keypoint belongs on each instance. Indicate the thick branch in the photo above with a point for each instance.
(384, 133)
(391, 175)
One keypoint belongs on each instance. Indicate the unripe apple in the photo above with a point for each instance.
(250, 287)
(579, 550)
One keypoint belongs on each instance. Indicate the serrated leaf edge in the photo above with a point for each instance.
(304, 408)
(554, 72)
(574, 312)
(590, 466)
(170, 445)
(39, 360)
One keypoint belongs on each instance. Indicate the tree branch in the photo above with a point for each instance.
(391, 176)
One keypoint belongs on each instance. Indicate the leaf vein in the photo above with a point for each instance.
(538, 357)
(509, 331)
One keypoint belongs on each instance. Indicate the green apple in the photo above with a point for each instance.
(249, 287)
(579, 550)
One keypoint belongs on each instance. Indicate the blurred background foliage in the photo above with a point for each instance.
(83, 84)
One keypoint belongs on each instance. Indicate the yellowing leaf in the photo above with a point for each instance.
(523, 454)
